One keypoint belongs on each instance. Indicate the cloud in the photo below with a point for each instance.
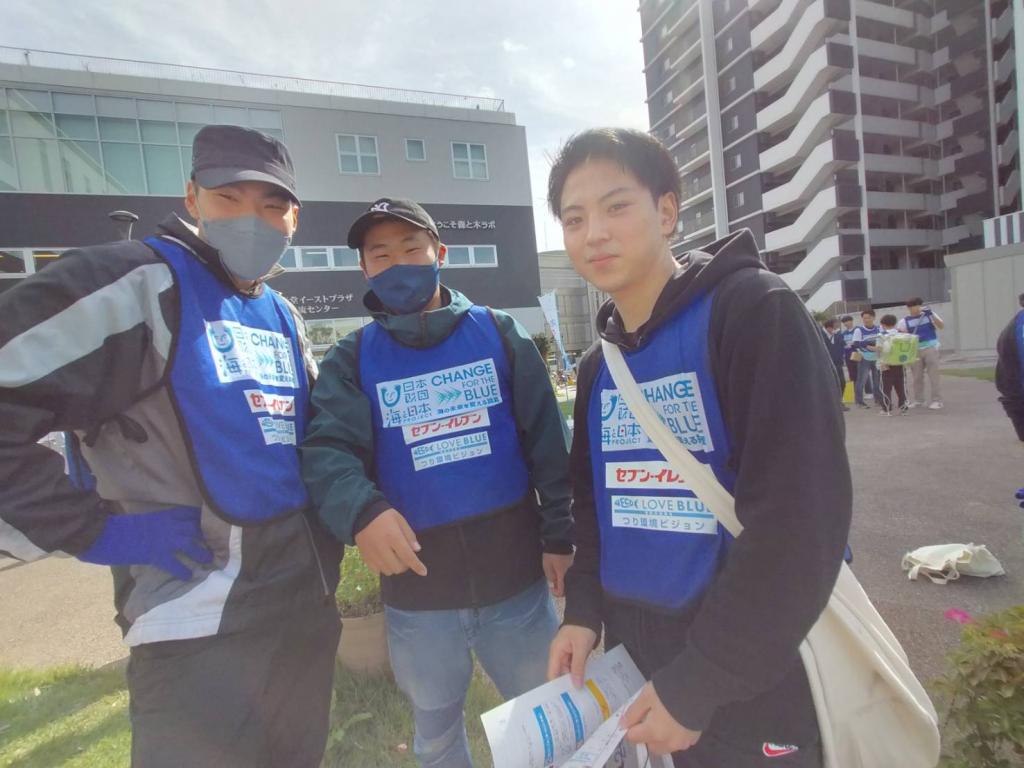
(558, 65)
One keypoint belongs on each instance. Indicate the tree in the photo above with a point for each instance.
(543, 344)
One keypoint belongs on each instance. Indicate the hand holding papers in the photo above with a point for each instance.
(560, 726)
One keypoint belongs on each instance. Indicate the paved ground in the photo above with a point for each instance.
(57, 611)
(963, 465)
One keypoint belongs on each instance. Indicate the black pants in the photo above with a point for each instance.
(739, 732)
(256, 699)
(840, 379)
(893, 390)
(851, 369)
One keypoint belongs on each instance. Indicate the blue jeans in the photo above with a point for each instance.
(865, 369)
(431, 655)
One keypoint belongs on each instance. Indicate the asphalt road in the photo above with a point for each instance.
(936, 477)
(927, 478)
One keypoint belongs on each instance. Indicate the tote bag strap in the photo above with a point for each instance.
(698, 476)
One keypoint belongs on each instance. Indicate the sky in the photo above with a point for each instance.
(560, 65)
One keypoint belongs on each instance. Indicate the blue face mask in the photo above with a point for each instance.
(406, 288)
(249, 247)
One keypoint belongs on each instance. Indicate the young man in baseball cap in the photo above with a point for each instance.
(437, 448)
(185, 380)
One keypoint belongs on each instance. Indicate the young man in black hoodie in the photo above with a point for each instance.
(735, 364)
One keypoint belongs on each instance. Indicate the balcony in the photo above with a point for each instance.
(1005, 109)
(818, 216)
(1009, 191)
(819, 167)
(775, 27)
(698, 160)
(824, 113)
(821, 259)
(826, 64)
(1003, 26)
(1004, 67)
(897, 17)
(818, 21)
(1008, 149)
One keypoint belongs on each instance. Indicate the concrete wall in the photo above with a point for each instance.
(986, 284)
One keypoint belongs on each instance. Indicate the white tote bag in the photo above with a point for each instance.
(943, 563)
(872, 710)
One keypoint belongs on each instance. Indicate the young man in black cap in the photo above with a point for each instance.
(437, 447)
(185, 379)
(734, 365)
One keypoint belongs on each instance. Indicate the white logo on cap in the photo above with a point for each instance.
(381, 207)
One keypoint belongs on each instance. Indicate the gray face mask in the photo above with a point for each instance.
(249, 247)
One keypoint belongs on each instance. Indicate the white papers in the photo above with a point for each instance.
(559, 726)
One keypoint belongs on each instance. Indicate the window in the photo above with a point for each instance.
(472, 256)
(415, 149)
(18, 262)
(469, 161)
(87, 144)
(666, 63)
(728, 45)
(358, 154)
(668, 96)
(731, 84)
(739, 199)
(734, 123)
(664, 31)
(320, 257)
(737, 161)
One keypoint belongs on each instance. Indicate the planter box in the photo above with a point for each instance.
(364, 643)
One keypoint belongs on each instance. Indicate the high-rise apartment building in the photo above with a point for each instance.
(859, 140)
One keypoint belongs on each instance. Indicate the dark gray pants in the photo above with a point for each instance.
(256, 699)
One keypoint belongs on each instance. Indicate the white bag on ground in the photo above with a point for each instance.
(872, 710)
(943, 563)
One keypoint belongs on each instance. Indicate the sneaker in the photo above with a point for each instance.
(936, 406)
(905, 410)
(885, 412)
(846, 408)
(914, 404)
(865, 406)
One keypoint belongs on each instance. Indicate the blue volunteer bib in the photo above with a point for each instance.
(238, 384)
(446, 446)
(660, 546)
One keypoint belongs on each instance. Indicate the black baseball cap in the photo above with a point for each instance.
(225, 154)
(390, 208)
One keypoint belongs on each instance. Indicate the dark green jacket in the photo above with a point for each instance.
(475, 562)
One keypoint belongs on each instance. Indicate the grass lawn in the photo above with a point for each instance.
(985, 374)
(566, 406)
(78, 717)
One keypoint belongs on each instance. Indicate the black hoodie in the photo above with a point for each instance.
(739, 645)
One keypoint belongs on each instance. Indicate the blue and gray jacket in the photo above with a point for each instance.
(180, 391)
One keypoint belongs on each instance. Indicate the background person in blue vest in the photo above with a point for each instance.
(836, 347)
(438, 448)
(848, 329)
(1010, 369)
(864, 336)
(148, 352)
(924, 324)
(737, 367)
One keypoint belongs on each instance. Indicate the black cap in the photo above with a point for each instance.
(225, 154)
(390, 208)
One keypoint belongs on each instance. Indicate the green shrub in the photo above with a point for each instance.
(358, 592)
(984, 692)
